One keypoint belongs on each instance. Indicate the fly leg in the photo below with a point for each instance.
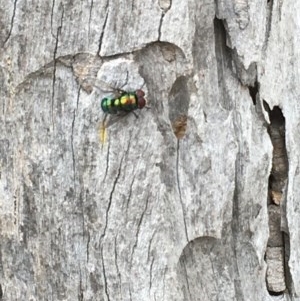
(103, 131)
(135, 114)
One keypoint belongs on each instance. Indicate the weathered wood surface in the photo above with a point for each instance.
(174, 205)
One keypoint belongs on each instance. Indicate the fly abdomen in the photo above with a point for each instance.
(126, 102)
(108, 106)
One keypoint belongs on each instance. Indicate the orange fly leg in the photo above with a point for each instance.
(103, 131)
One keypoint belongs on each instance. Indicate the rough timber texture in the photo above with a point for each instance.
(176, 205)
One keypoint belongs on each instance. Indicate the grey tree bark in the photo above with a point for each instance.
(196, 199)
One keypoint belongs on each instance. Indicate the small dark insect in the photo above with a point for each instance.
(126, 102)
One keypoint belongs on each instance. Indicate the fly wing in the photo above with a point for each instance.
(99, 84)
(103, 87)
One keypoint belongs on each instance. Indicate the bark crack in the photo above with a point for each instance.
(138, 230)
(117, 267)
(88, 246)
(56, 37)
(150, 244)
(187, 279)
(277, 246)
(160, 25)
(11, 23)
(132, 5)
(164, 5)
(235, 228)
(80, 295)
(129, 194)
(253, 91)
(151, 272)
(179, 191)
(111, 197)
(104, 276)
(164, 283)
(269, 15)
(107, 162)
(103, 28)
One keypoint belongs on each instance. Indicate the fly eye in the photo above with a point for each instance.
(141, 102)
(140, 93)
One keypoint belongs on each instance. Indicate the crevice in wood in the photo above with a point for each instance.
(80, 294)
(110, 199)
(179, 191)
(11, 23)
(160, 25)
(104, 276)
(138, 230)
(279, 172)
(276, 277)
(103, 29)
(288, 275)
(132, 5)
(1, 292)
(56, 37)
(129, 195)
(224, 61)
(182, 262)
(164, 5)
(29, 226)
(235, 230)
(117, 266)
(229, 59)
(53, 94)
(269, 14)
(247, 77)
(253, 90)
(107, 162)
(88, 246)
(149, 246)
(151, 273)
(16, 206)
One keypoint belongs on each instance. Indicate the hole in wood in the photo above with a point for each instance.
(253, 92)
(275, 253)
